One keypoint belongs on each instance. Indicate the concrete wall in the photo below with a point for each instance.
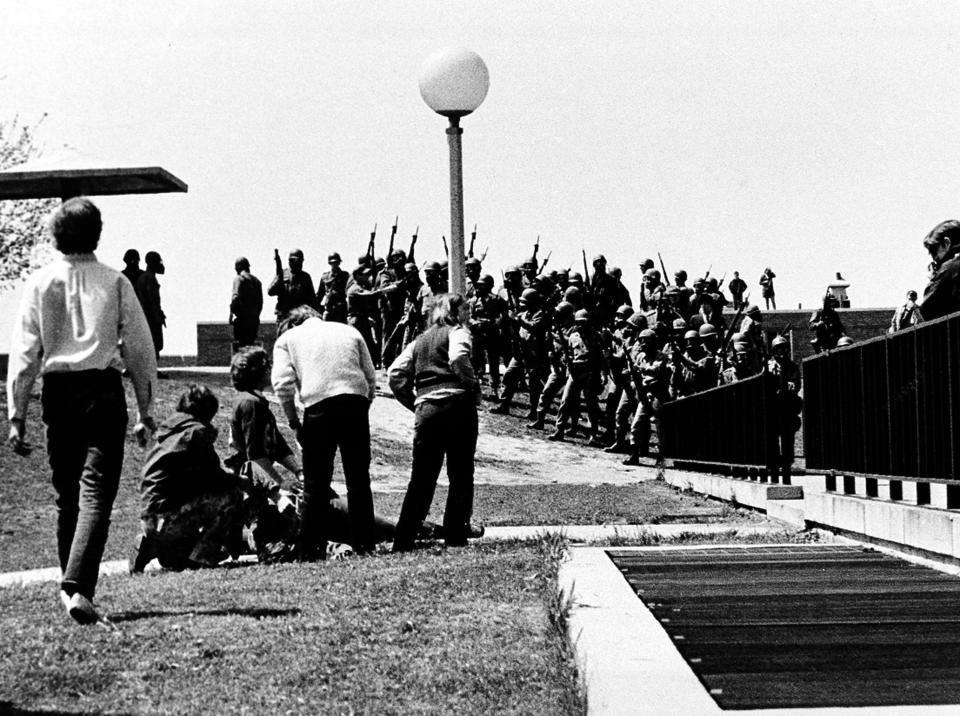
(215, 341)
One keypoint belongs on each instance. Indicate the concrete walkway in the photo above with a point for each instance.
(575, 533)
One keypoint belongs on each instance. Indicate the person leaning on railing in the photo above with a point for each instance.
(942, 294)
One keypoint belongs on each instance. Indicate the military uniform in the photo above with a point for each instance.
(361, 312)
(786, 414)
(529, 360)
(332, 295)
(486, 312)
(651, 375)
(583, 358)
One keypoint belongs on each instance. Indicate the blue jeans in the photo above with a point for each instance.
(86, 418)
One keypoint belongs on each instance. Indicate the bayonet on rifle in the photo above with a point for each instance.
(473, 239)
(413, 244)
(393, 233)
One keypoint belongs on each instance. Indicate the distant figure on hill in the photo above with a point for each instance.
(767, 291)
(246, 302)
(737, 288)
(148, 291)
(907, 315)
(838, 290)
(942, 294)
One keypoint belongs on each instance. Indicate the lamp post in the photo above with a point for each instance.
(453, 83)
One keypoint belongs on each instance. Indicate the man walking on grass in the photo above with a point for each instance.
(78, 326)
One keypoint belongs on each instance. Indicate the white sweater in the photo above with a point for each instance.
(321, 359)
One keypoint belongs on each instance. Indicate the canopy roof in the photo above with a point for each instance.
(69, 173)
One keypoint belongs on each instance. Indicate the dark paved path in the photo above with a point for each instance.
(805, 625)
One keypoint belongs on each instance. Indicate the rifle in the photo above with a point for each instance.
(397, 331)
(722, 279)
(536, 247)
(730, 331)
(446, 249)
(473, 239)
(393, 233)
(666, 278)
(510, 303)
(413, 244)
(373, 241)
(586, 276)
(707, 274)
(545, 262)
(278, 262)
(483, 256)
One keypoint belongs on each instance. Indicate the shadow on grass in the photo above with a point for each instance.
(253, 612)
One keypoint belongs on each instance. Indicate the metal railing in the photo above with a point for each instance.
(727, 425)
(887, 406)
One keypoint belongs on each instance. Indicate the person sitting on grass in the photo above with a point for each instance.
(259, 446)
(191, 513)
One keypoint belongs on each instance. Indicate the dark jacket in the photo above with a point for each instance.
(942, 294)
(182, 465)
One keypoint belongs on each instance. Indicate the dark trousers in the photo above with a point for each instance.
(245, 331)
(86, 418)
(445, 428)
(339, 422)
(362, 324)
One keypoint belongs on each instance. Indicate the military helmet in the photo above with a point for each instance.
(511, 271)
(575, 276)
(754, 310)
(651, 273)
(582, 316)
(572, 292)
(679, 324)
(625, 311)
(564, 310)
(410, 268)
(638, 320)
(680, 275)
(432, 267)
(707, 329)
(331, 258)
(487, 280)
(529, 263)
(691, 335)
(398, 255)
(779, 341)
(472, 261)
(699, 283)
(844, 341)
(530, 295)
(599, 259)
(647, 335)
(739, 338)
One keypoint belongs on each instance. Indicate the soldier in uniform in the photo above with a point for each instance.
(617, 341)
(652, 290)
(741, 362)
(701, 364)
(685, 293)
(471, 270)
(623, 293)
(651, 377)
(562, 320)
(389, 283)
(826, 326)
(582, 354)
(752, 327)
(530, 357)
(434, 287)
(293, 287)
(362, 300)
(246, 302)
(411, 286)
(510, 294)
(787, 407)
(332, 291)
(486, 313)
(942, 294)
(529, 272)
(604, 292)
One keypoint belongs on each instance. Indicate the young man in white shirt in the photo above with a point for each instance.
(79, 325)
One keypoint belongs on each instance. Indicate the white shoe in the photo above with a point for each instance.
(79, 607)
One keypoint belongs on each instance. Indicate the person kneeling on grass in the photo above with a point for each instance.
(192, 507)
(259, 446)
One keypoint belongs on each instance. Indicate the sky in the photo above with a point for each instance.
(808, 137)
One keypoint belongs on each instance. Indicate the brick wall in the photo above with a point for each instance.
(860, 324)
(215, 341)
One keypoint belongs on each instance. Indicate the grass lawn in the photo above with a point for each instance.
(455, 631)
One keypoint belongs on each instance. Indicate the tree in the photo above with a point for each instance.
(24, 240)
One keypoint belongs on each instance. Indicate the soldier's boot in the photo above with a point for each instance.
(597, 441)
(620, 447)
(539, 423)
(556, 436)
(503, 408)
(634, 459)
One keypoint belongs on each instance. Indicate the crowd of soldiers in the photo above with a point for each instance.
(558, 333)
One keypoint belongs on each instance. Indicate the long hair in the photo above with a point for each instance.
(446, 311)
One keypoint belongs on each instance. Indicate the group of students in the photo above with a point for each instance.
(80, 327)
